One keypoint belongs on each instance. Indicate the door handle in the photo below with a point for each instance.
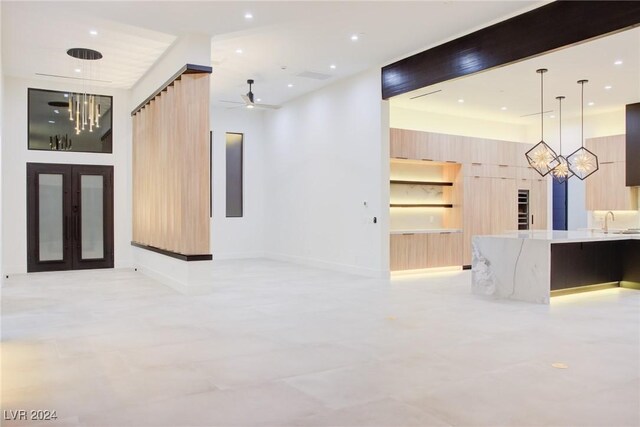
(66, 227)
(76, 229)
(532, 219)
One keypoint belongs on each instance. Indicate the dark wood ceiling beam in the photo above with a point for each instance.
(547, 28)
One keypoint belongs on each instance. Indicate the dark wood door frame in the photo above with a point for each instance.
(33, 209)
(544, 29)
(72, 219)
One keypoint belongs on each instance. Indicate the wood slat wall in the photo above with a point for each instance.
(171, 168)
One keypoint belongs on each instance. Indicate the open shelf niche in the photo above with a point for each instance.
(425, 195)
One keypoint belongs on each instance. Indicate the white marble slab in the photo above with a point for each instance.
(517, 265)
(511, 268)
(566, 236)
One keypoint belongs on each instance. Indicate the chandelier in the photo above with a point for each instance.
(84, 108)
(541, 156)
(582, 162)
(561, 172)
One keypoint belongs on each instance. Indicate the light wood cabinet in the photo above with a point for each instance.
(538, 204)
(504, 209)
(425, 250)
(606, 189)
(492, 172)
(607, 148)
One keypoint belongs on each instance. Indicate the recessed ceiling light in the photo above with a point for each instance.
(591, 103)
(56, 111)
(503, 108)
(354, 38)
(248, 15)
(332, 66)
(607, 87)
(618, 62)
(461, 101)
(238, 50)
(78, 70)
(51, 121)
(290, 85)
(93, 32)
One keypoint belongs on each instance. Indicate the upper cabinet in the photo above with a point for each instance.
(606, 189)
(633, 144)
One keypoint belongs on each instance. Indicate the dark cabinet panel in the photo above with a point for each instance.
(585, 263)
(631, 264)
(633, 145)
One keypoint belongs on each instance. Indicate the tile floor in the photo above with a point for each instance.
(275, 344)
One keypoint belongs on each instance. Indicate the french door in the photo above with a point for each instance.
(69, 217)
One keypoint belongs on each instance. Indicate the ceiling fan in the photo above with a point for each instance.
(249, 102)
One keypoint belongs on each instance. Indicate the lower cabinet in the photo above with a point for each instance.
(425, 250)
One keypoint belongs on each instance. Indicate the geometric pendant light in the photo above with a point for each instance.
(561, 172)
(541, 156)
(582, 162)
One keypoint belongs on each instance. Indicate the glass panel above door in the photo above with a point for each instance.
(51, 222)
(92, 216)
(68, 121)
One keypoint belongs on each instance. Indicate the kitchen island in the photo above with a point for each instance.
(534, 265)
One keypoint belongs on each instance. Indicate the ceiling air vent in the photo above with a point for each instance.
(315, 76)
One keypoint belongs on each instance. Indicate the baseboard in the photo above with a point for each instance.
(343, 268)
(630, 285)
(237, 255)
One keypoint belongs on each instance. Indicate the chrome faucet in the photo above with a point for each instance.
(606, 221)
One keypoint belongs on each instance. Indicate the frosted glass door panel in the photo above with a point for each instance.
(92, 215)
(51, 217)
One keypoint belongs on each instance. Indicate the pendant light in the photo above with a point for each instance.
(541, 156)
(582, 162)
(561, 172)
(83, 107)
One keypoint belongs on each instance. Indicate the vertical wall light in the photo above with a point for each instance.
(561, 171)
(582, 162)
(541, 156)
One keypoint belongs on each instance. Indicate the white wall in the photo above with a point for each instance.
(326, 155)
(1, 132)
(405, 118)
(238, 237)
(187, 49)
(15, 157)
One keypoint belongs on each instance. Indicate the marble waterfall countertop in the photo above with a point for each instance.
(517, 265)
(565, 236)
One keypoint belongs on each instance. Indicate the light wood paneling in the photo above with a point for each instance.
(607, 148)
(538, 204)
(408, 251)
(425, 250)
(606, 189)
(444, 249)
(171, 168)
(492, 172)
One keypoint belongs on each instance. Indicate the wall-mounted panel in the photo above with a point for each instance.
(171, 167)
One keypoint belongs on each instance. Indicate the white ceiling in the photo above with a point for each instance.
(36, 36)
(517, 86)
(303, 36)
